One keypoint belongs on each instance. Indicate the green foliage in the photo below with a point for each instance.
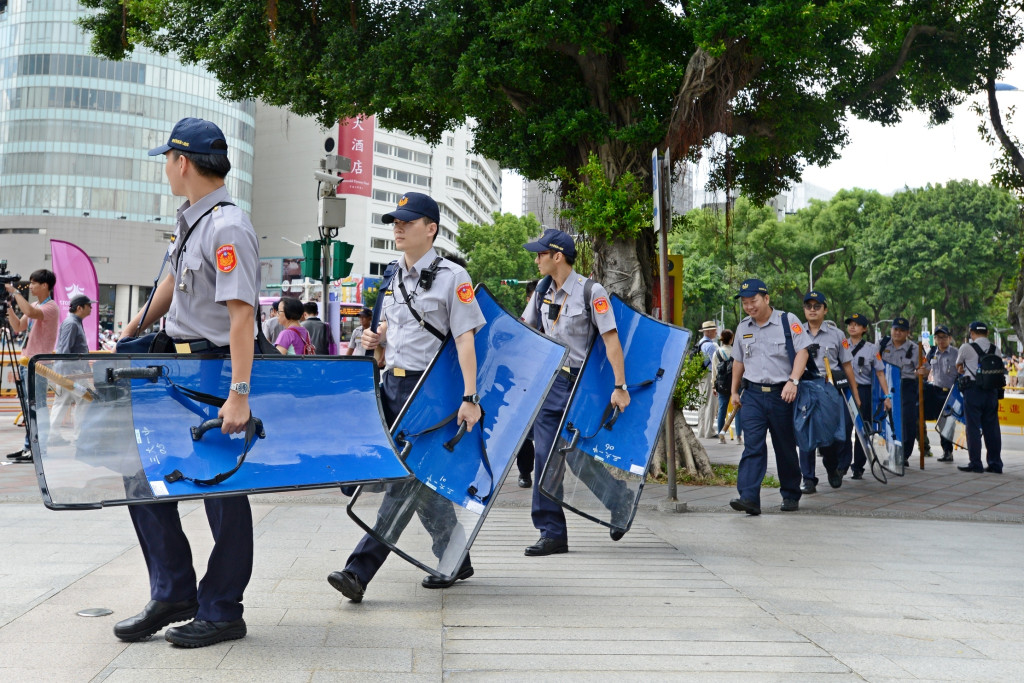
(687, 394)
(606, 208)
(370, 296)
(722, 475)
(495, 253)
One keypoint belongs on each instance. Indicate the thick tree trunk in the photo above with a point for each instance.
(1016, 313)
(686, 443)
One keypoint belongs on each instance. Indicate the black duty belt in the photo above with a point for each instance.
(571, 373)
(766, 388)
(402, 372)
(195, 345)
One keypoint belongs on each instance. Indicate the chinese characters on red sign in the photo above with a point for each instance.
(355, 141)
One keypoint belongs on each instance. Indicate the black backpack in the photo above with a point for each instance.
(991, 371)
(723, 375)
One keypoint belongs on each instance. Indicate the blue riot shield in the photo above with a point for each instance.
(458, 475)
(136, 428)
(888, 425)
(599, 461)
(952, 422)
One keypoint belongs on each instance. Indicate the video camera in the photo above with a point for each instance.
(6, 278)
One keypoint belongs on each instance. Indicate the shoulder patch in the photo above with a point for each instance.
(797, 328)
(846, 343)
(226, 259)
(601, 305)
(465, 292)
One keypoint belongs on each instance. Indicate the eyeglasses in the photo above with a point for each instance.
(543, 253)
(812, 306)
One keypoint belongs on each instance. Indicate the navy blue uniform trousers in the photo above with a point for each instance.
(765, 412)
(981, 411)
(437, 515)
(908, 404)
(169, 557)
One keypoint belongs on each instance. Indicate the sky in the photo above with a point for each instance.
(886, 159)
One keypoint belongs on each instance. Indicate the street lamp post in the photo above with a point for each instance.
(887, 320)
(810, 268)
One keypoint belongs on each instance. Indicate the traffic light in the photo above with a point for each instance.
(311, 260)
(510, 283)
(340, 253)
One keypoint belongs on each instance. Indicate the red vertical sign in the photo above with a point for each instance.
(355, 141)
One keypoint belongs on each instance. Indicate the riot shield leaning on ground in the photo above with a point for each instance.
(122, 429)
(952, 422)
(599, 461)
(458, 475)
(888, 425)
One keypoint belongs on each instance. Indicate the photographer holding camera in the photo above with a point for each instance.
(41, 321)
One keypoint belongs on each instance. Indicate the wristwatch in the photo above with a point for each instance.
(240, 388)
(472, 398)
(623, 386)
(795, 382)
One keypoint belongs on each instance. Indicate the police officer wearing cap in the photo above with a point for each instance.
(898, 350)
(209, 301)
(826, 341)
(768, 342)
(437, 291)
(571, 310)
(865, 362)
(981, 406)
(355, 345)
(70, 339)
(942, 361)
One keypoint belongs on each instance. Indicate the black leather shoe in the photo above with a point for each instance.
(808, 487)
(857, 475)
(946, 457)
(994, 470)
(347, 582)
(524, 481)
(431, 581)
(16, 455)
(790, 505)
(153, 617)
(743, 505)
(200, 633)
(835, 479)
(970, 468)
(547, 546)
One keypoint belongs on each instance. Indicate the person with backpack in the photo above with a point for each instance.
(982, 380)
(898, 350)
(572, 310)
(723, 384)
(319, 331)
(707, 347)
(293, 339)
(942, 360)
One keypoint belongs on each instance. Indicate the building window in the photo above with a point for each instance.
(380, 243)
(450, 140)
(377, 268)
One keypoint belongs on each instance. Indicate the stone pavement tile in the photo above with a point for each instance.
(645, 663)
(418, 638)
(910, 626)
(157, 653)
(204, 676)
(645, 677)
(543, 644)
(254, 656)
(764, 631)
(957, 669)
(45, 656)
(831, 608)
(872, 666)
(49, 623)
(891, 644)
(994, 649)
(371, 677)
(355, 616)
(50, 675)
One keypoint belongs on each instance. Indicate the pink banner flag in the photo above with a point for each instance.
(355, 141)
(76, 276)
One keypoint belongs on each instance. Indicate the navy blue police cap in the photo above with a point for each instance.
(553, 239)
(815, 295)
(752, 287)
(978, 326)
(942, 329)
(859, 319)
(196, 136)
(414, 205)
(901, 324)
(368, 312)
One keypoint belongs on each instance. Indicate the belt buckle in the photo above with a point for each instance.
(566, 369)
(398, 372)
(182, 347)
(766, 389)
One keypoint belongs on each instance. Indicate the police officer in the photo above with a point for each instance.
(904, 354)
(942, 361)
(826, 341)
(768, 343)
(570, 312)
(355, 345)
(981, 406)
(439, 292)
(865, 362)
(209, 301)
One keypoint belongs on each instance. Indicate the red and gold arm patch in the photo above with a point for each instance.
(465, 292)
(797, 328)
(846, 343)
(601, 305)
(226, 258)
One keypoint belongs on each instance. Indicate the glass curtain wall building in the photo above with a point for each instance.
(74, 132)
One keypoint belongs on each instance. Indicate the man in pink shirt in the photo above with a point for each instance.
(41, 320)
